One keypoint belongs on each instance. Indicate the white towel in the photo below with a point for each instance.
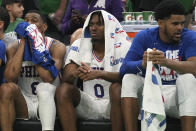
(153, 116)
(36, 38)
(117, 43)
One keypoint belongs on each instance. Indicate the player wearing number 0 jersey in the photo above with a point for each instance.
(98, 88)
(95, 59)
(94, 103)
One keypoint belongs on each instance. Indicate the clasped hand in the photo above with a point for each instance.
(156, 56)
(87, 73)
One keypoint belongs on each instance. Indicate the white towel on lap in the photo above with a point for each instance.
(153, 116)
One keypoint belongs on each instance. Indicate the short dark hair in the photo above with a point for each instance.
(43, 17)
(167, 8)
(4, 16)
(7, 2)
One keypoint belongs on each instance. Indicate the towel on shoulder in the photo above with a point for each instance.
(117, 43)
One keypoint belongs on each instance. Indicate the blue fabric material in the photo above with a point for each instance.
(111, 6)
(27, 52)
(20, 30)
(45, 60)
(150, 38)
(2, 51)
(2, 57)
(42, 58)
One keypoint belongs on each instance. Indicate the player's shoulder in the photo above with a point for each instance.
(75, 45)
(54, 44)
(188, 34)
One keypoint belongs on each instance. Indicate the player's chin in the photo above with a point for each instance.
(94, 38)
(176, 40)
(19, 15)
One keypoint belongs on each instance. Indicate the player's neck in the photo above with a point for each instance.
(99, 53)
(99, 47)
(12, 18)
(1, 35)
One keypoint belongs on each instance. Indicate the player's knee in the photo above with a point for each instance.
(184, 79)
(186, 87)
(186, 95)
(131, 84)
(115, 92)
(45, 90)
(7, 91)
(64, 91)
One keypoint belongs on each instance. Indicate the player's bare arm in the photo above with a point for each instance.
(70, 72)
(14, 53)
(157, 57)
(183, 66)
(57, 52)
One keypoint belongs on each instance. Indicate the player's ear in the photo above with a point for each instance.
(161, 22)
(44, 26)
(1, 25)
(8, 7)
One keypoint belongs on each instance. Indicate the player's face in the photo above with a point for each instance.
(171, 29)
(96, 27)
(35, 18)
(16, 10)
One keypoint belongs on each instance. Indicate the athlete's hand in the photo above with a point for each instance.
(157, 57)
(86, 73)
(83, 70)
(144, 62)
(76, 18)
(58, 16)
(93, 74)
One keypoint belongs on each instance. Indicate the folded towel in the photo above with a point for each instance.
(153, 116)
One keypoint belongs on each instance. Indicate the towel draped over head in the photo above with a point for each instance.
(117, 42)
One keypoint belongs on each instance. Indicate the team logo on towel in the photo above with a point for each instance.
(117, 45)
(45, 59)
(119, 30)
(112, 35)
(37, 38)
(111, 18)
